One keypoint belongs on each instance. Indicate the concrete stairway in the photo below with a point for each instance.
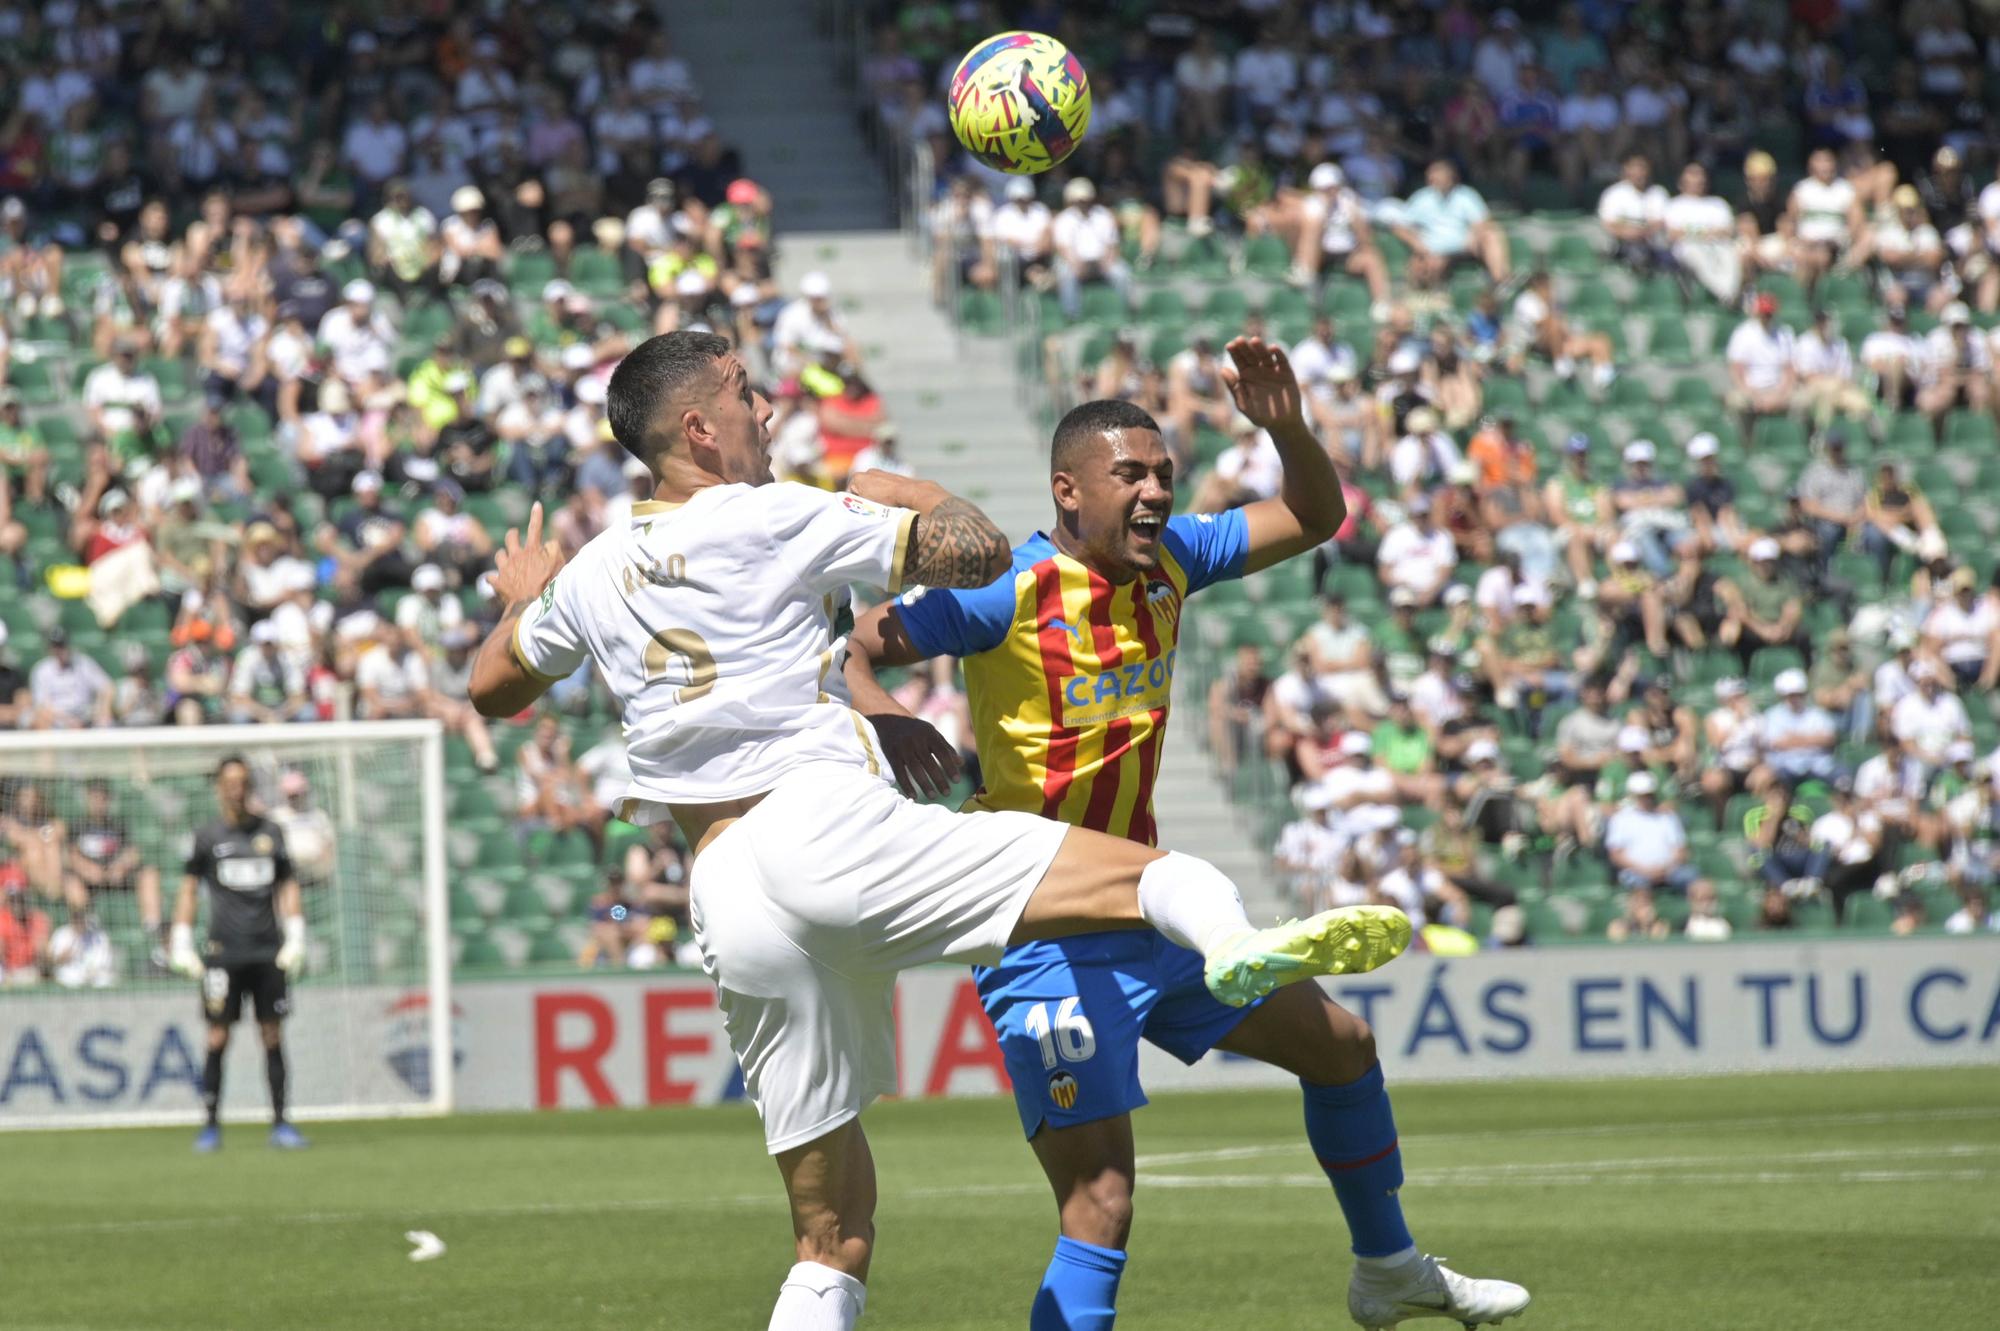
(769, 81)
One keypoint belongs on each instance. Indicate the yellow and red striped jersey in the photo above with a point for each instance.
(1070, 676)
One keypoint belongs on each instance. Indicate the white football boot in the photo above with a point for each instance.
(1428, 1288)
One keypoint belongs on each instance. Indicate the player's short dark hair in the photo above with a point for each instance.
(649, 378)
(227, 761)
(1087, 423)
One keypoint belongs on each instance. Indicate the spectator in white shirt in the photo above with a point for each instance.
(1798, 734)
(1334, 235)
(470, 242)
(1592, 125)
(265, 686)
(375, 148)
(1929, 721)
(1963, 632)
(1248, 470)
(1955, 370)
(81, 956)
(359, 337)
(1201, 81)
(1701, 231)
(1416, 555)
(1825, 366)
(1265, 74)
(1497, 59)
(1908, 252)
(1645, 843)
(1086, 242)
(1022, 232)
(1826, 216)
(1896, 359)
(120, 399)
(1343, 658)
(1974, 916)
(1310, 849)
(1425, 454)
(1762, 355)
(1632, 211)
(809, 328)
(66, 689)
(391, 678)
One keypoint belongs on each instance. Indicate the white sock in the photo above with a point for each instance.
(818, 1298)
(1390, 1264)
(1191, 901)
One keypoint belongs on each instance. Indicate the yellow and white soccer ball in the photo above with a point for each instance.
(1020, 102)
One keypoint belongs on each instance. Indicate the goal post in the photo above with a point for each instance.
(99, 1034)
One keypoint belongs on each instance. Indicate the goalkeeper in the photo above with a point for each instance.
(256, 940)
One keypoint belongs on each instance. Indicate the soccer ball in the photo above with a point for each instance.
(1020, 102)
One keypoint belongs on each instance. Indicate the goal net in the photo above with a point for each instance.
(94, 829)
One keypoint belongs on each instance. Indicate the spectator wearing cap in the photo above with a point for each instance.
(1416, 555)
(1908, 252)
(1579, 510)
(1899, 517)
(264, 686)
(1954, 370)
(67, 690)
(1762, 360)
(1522, 660)
(809, 327)
(1646, 843)
(510, 380)
(1711, 500)
(1701, 232)
(1833, 493)
(1929, 721)
(1447, 223)
(1334, 235)
(1424, 454)
(1636, 600)
(1086, 240)
(1651, 509)
(428, 612)
(370, 536)
(391, 676)
(1764, 609)
(1310, 849)
(1962, 632)
(359, 338)
(1798, 735)
(470, 248)
(1023, 234)
(1632, 210)
(188, 547)
(1733, 733)
(403, 247)
(1362, 795)
(449, 536)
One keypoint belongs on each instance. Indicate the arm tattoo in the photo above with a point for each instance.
(955, 545)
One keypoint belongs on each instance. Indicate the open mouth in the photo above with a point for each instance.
(1148, 526)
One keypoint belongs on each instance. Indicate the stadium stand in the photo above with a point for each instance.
(296, 318)
(1664, 607)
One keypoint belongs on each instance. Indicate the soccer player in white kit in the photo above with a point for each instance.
(713, 614)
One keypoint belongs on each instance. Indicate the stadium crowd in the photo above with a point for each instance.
(1662, 605)
(297, 314)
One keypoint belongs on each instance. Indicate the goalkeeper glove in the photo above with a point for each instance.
(181, 954)
(293, 954)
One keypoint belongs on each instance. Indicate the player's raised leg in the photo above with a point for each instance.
(1097, 880)
(1353, 1136)
(831, 1185)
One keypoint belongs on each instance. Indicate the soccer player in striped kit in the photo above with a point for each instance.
(1069, 662)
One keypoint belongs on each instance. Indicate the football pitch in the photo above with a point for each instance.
(1841, 1200)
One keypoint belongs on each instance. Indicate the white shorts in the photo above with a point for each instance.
(807, 907)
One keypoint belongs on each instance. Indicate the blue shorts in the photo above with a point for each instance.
(1070, 1013)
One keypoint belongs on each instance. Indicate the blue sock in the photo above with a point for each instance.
(1354, 1135)
(1080, 1289)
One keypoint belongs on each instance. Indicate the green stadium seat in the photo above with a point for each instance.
(547, 948)
(1346, 299)
(1779, 434)
(1574, 253)
(1970, 429)
(596, 271)
(1629, 391)
(478, 952)
(1668, 340)
(1285, 304)
(1103, 305)
(524, 905)
(31, 378)
(1694, 393)
(528, 272)
(1266, 256)
(1504, 393)
(980, 313)
(1226, 308)
(1163, 305)
(172, 374)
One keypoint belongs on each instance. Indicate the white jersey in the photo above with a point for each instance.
(714, 622)
(1824, 209)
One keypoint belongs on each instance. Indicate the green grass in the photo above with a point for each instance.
(1857, 1200)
